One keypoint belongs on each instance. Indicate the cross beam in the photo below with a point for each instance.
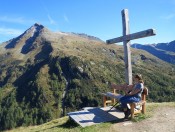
(142, 34)
(126, 43)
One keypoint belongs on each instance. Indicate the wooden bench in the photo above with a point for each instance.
(138, 107)
(141, 104)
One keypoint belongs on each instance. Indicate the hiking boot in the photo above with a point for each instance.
(127, 113)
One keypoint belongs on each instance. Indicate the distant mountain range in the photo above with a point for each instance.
(164, 51)
(45, 74)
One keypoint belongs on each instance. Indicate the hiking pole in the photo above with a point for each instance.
(112, 107)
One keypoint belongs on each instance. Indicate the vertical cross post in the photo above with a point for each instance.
(126, 45)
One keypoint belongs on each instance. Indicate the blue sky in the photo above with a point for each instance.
(100, 18)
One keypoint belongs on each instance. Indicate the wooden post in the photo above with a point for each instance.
(113, 100)
(126, 45)
(132, 110)
(104, 101)
(144, 108)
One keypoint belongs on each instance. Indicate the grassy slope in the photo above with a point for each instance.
(65, 125)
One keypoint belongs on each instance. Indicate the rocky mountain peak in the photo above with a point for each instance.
(38, 25)
(33, 29)
(28, 36)
(29, 40)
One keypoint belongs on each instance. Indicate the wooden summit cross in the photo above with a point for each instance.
(126, 43)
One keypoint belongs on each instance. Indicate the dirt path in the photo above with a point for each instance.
(163, 120)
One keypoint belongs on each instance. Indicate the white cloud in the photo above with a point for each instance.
(12, 20)
(19, 20)
(10, 31)
(168, 17)
(51, 20)
(66, 18)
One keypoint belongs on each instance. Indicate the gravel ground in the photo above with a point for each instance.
(163, 120)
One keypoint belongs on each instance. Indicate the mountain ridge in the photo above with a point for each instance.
(164, 51)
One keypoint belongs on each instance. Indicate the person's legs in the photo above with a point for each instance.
(125, 100)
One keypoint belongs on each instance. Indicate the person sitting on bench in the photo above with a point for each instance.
(132, 93)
